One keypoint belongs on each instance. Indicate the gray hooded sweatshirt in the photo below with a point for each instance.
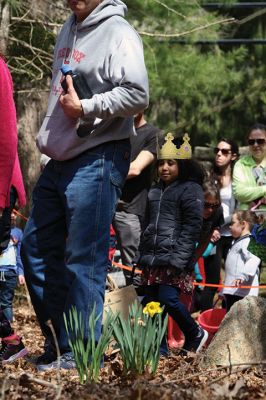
(108, 53)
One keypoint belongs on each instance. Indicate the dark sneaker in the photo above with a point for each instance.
(5, 328)
(11, 350)
(46, 358)
(66, 361)
(198, 342)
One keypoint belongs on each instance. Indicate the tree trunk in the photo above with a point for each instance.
(30, 111)
(4, 25)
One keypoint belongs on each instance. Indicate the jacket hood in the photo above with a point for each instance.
(249, 161)
(106, 9)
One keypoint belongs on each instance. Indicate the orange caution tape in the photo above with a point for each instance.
(138, 271)
(228, 286)
(20, 215)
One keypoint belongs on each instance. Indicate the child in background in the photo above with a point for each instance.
(168, 243)
(241, 266)
(200, 276)
(210, 233)
(11, 269)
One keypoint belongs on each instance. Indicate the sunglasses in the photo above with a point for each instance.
(251, 142)
(224, 152)
(213, 206)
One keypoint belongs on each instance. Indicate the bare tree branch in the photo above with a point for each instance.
(32, 48)
(36, 21)
(199, 28)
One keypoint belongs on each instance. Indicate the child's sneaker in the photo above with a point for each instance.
(12, 349)
(198, 342)
(5, 328)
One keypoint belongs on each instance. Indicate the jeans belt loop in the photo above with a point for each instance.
(2, 276)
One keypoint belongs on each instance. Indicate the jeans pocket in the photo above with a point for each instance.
(120, 163)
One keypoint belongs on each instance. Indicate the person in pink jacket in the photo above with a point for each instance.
(11, 182)
(11, 191)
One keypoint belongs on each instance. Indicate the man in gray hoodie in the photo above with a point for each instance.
(66, 240)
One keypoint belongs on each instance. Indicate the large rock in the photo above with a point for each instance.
(241, 337)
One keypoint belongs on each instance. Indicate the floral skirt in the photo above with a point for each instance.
(167, 276)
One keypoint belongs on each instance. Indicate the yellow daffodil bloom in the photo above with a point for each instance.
(152, 308)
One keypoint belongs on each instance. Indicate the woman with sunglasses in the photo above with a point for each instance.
(249, 177)
(226, 153)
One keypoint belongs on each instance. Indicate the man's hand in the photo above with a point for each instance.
(143, 159)
(21, 279)
(70, 102)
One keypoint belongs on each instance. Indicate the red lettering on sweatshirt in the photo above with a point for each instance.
(65, 53)
(78, 56)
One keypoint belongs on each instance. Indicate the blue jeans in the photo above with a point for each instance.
(66, 240)
(8, 283)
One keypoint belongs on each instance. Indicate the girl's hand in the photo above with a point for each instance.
(238, 282)
(215, 236)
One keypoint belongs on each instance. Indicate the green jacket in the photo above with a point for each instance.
(245, 187)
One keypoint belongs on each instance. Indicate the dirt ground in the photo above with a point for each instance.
(177, 377)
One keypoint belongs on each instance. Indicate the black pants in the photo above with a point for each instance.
(230, 300)
(169, 296)
(212, 266)
(5, 221)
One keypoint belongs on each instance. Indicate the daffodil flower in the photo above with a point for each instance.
(152, 308)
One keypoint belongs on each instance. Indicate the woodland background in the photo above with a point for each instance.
(209, 91)
(198, 83)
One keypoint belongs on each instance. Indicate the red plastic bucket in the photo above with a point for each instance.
(210, 320)
(175, 335)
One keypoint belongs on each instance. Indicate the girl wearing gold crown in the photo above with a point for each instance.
(168, 243)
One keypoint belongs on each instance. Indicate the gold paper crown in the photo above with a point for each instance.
(169, 151)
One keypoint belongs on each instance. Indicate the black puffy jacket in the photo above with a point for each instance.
(175, 220)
